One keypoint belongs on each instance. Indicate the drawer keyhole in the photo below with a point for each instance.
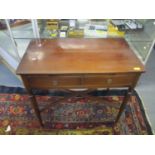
(109, 81)
(55, 82)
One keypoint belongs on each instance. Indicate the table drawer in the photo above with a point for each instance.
(113, 80)
(54, 81)
(82, 81)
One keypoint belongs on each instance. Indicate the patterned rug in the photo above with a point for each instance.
(76, 116)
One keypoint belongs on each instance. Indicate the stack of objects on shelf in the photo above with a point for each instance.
(68, 28)
(63, 28)
(53, 27)
(128, 24)
(96, 28)
(74, 31)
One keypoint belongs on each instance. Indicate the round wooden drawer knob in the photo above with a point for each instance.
(109, 81)
(55, 82)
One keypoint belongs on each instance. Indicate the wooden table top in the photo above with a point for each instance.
(77, 56)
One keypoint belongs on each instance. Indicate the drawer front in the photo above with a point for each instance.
(82, 81)
(113, 80)
(54, 81)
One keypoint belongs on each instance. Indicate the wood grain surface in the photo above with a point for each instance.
(77, 56)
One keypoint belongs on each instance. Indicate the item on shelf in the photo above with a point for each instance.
(54, 33)
(81, 23)
(117, 22)
(99, 23)
(133, 24)
(52, 24)
(76, 33)
(95, 34)
(96, 28)
(139, 26)
(129, 24)
(72, 23)
(63, 28)
(64, 23)
(63, 34)
(120, 24)
(114, 32)
(95, 31)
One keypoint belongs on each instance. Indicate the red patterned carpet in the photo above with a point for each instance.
(75, 116)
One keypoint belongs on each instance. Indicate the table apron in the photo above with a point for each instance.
(81, 81)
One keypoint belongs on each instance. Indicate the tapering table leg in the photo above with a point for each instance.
(36, 109)
(122, 107)
(33, 99)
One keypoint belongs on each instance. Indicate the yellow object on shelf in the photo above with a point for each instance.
(52, 24)
(54, 33)
(52, 27)
(76, 33)
(114, 32)
(52, 20)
